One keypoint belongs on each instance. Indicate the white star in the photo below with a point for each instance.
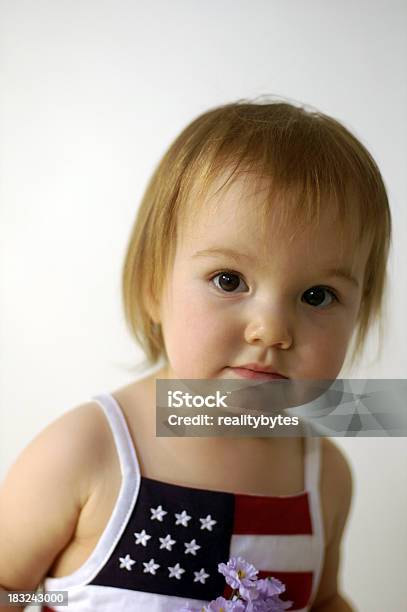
(182, 518)
(176, 571)
(157, 513)
(126, 562)
(201, 576)
(150, 567)
(191, 547)
(207, 523)
(142, 537)
(167, 542)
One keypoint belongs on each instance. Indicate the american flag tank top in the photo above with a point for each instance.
(162, 545)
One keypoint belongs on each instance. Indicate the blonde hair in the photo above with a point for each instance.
(309, 160)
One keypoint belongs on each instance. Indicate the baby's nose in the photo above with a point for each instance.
(269, 327)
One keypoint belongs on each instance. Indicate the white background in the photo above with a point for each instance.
(92, 93)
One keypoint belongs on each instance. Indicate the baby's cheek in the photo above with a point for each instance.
(184, 336)
(198, 341)
(324, 354)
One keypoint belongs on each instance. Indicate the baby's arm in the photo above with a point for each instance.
(42, 497)
(338, 485)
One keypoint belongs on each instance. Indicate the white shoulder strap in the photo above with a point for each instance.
(122, 438)
(312, 461)
(312, 477)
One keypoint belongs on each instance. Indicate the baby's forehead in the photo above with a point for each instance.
(249, 207)
(240, 204)
(247, 217)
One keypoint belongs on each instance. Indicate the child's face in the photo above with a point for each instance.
(262, 311)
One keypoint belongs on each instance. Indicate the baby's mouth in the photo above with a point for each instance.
(246, 372)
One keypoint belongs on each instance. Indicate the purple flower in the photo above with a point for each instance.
(253, 595)
(271, 604)
(268, 587)
(239, 574)
(223, 605)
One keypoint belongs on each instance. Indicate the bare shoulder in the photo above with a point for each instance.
(337, 481)
(336, 493)
(44, 491)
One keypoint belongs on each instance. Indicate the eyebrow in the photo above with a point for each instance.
(343, 273)
(225, 252)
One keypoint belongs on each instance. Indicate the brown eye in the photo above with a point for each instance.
(319, 296)
(227, 281)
